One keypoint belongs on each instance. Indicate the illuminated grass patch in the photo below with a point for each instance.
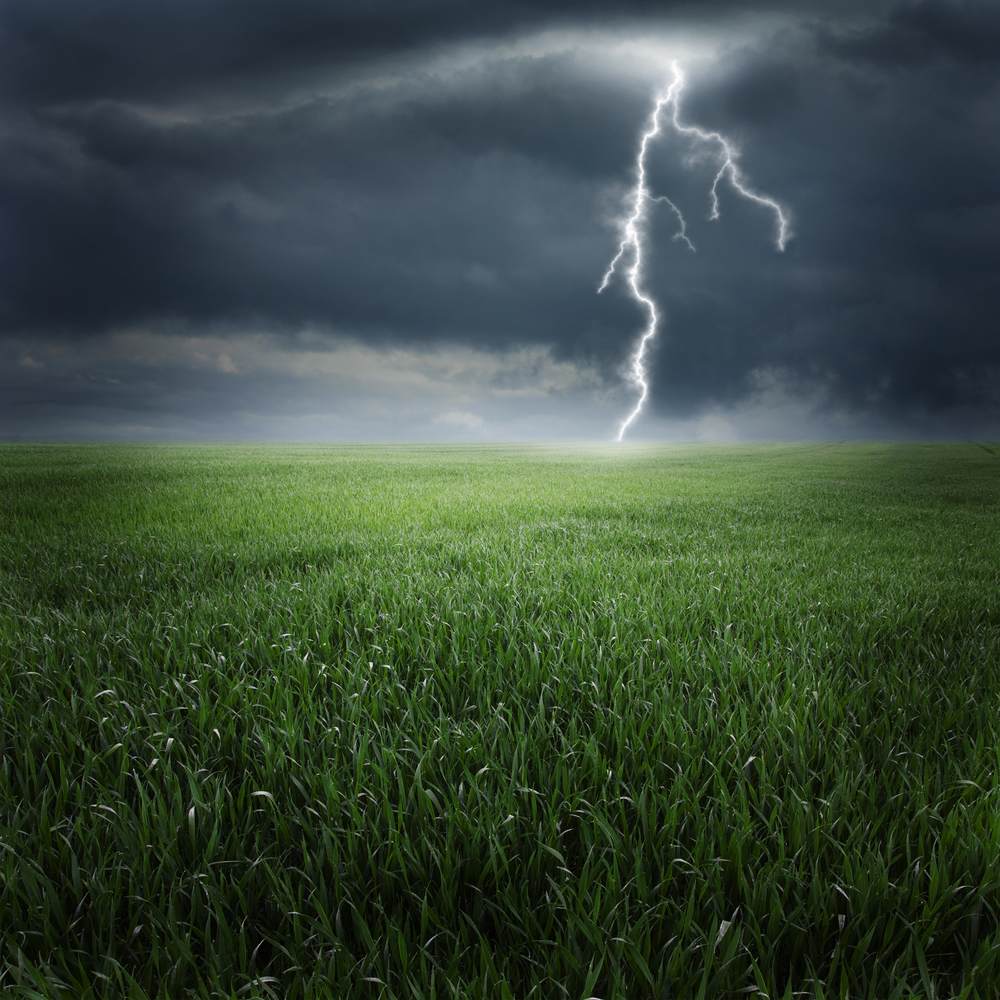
(500, 722)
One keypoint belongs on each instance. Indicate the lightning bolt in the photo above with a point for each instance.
(633, 227)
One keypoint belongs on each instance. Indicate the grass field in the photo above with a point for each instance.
(494, 722)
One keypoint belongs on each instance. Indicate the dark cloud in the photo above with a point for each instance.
(456, 201)
(204, 166)
(966, 31)
(53, 51)
(891, 285)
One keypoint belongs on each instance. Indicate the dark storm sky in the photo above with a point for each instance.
(388, 220)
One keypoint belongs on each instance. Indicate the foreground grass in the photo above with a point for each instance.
(484, 722)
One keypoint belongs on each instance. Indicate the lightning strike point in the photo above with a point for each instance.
(633, 227)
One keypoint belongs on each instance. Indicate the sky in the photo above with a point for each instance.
(325, 220)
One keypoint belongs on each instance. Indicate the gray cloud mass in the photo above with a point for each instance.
(390, 220)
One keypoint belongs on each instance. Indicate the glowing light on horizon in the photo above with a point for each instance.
(641, 198)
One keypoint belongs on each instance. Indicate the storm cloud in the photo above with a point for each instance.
(315, 220)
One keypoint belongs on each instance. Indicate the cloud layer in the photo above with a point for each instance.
(308, 196)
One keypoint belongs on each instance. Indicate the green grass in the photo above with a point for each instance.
(491, 722)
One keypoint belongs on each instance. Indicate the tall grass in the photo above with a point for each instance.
(500, 722)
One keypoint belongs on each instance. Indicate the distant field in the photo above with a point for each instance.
(490, 722)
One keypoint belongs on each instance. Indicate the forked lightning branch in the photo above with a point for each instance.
(640, 198)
